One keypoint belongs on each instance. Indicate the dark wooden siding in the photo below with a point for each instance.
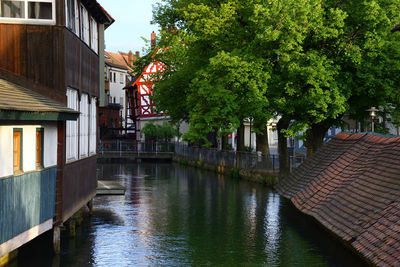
(60, 12)
(26, 201)
(47, 59)
(33, 56)
(82, 65)
(79, 185)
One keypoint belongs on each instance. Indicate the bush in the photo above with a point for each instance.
(234, 173)
(156, 132)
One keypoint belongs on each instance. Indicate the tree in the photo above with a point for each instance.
(307, 62)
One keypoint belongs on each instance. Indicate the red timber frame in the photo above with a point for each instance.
(143, 105)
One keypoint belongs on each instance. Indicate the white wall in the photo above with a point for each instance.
(6, 153)
(50, 146)
(116, 88)
(29, 147)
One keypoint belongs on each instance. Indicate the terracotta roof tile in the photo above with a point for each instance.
(119, 60)
(352, 186)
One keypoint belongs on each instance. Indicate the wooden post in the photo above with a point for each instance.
(60, 170)
(8, 258)
(90, 206)
(56, 239)
(72, 227)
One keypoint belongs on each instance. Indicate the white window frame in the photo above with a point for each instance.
(72, 127)
(84, 25)
(84, 126)
(121, 78)
(93, 127)
(94, 35)
(26, 20)
(72, 24)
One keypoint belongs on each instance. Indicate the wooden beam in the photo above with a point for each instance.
(25, 237)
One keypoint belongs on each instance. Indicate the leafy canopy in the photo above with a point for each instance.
(309, 61)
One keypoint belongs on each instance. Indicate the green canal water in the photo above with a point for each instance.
(180, 216)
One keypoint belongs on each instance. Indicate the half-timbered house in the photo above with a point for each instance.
(141, 108)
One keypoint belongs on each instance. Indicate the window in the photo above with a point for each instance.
(121, 78)
(72, 127)
(72, 16)
(93, 127)
(17, 150)
(93, 35)
(111, 76)
(115, 80)
(34, 11)
(84, 25)
(84, 126)
(39, 147)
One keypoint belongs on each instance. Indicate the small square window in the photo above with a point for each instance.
(17, 150)
(38, 10)
(12, 9)
(39, 148)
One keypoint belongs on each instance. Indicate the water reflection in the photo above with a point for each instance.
(178, 216)
(272, 229)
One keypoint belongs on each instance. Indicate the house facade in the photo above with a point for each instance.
(118, 73)
(49, 88)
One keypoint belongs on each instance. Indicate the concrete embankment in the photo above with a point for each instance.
(352, 187)
(262, 176)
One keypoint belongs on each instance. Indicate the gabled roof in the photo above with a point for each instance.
(119, 60)
(19, 103)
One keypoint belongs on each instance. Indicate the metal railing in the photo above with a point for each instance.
(241, 160)
(232, 159)
(135, 146)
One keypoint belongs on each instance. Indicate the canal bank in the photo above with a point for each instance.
(181, 216)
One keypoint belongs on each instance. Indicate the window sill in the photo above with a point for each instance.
(27, 21)
(19, 172)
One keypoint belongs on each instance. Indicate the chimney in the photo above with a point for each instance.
(137, 54)
(153, 40)
(130, 57)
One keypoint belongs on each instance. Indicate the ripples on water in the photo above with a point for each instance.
(177, 216)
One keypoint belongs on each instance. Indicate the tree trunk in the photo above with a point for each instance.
(224, 142)
(212, 138)
(315, 138)
(282, 147)
(240, 138)
(262, 141)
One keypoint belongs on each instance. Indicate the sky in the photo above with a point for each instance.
(132, 22)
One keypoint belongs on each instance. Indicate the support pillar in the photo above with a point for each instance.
(90, 206)
(56, 239)
(72, 227)
(8, 258)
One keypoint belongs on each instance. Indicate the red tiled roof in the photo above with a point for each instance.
(120, 59)
(352, 187)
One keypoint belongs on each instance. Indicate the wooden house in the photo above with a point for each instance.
(49, 87)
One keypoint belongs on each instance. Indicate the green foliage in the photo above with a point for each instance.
(308, 61)
(183, 162)
(234, 173)
(158, 132)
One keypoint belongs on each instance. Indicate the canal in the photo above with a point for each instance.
(181, 216)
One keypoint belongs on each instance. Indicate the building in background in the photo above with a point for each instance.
(49, 88)
(113, 113)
